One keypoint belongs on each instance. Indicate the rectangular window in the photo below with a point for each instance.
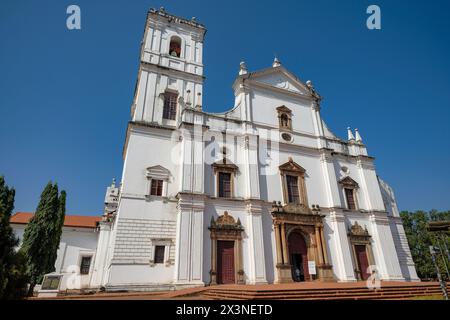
(170, 105)
(224, 185)
(292, 189)
(349, 195)
(159, 254)
(156, 189)
(85, 265)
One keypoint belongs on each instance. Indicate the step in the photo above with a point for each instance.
(319, 293)
(342, 295)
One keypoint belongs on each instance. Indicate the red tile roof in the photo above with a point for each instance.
(69, 221)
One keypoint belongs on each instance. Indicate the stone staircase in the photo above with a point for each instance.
(338, 291)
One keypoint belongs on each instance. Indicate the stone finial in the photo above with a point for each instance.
(358, 136)
(113, 183)
(242, 68)
(350, 135)
(309, 84)
(276, 62)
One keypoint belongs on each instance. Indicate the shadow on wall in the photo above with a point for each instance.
(328, 235)
(267, 238)
(401, 253)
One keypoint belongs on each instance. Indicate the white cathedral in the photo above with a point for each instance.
(262, 193)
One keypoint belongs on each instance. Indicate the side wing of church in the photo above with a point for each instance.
(262, 193)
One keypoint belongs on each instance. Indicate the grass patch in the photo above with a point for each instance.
(433, 297)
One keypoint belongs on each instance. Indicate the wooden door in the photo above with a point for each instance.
(363, 262)
(298, 253)
(225, 262)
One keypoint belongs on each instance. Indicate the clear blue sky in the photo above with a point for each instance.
(65, 95)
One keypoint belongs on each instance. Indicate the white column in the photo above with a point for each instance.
(100, 263)
(140, 96)
(189, 241)
(383, 246)
(198, 165)
(150, 98)
(370, 186)
(330, 181)
(340, 248)
(257, 267)
(187, 162)
(318, 125)
(407, 265)
(251, 169)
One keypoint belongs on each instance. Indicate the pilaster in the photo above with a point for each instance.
(257, 266)
(100, 264)
(330, 181)
(342, 263)
(383, 247)
(189, 246)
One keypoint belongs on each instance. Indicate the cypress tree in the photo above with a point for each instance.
(58, 230)
(7, 239)
(40, 235)
(12, 272)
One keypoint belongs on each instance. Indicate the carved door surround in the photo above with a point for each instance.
(298, 218)
(226, 228)
(360, 236)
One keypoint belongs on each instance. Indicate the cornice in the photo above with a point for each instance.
(163, 70)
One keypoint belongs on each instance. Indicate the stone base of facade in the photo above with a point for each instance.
(325, 273)
(153, 287)
(186, 285)
(284, 273)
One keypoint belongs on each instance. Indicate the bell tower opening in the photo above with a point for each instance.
(175, 47)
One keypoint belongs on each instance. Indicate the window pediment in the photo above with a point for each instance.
(158, 172)
(292, 168)
(284, 109)
(348, 182)
(224, 165)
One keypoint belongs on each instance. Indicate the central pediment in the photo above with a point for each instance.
(280, 78)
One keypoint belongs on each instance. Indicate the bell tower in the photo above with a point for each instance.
(170, 76)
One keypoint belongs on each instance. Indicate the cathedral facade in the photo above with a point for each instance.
(262, 193)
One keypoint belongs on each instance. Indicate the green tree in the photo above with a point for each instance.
(42, 235)
(58, 229)
(13, 278)
(420, 239)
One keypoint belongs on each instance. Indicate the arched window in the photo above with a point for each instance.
(175, 46)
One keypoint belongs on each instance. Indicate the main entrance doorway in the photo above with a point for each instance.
(363, 262)
(298, 254)
(225, 262)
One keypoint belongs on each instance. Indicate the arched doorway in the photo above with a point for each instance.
(298, 255)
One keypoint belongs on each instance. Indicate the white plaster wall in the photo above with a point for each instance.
(146, 150)
(264, 104)
(75, 243)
